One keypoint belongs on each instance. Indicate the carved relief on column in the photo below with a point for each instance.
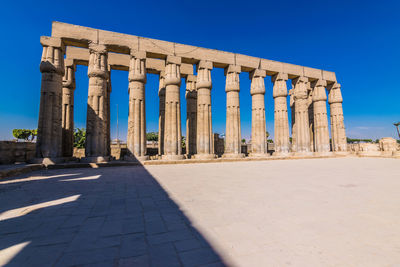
(258, 124)
(339, 141)
(293, 119)
(96, 129)
(173, 134)
(321, 129)
(302, 131)
(205, 138)
(281, 119)
(191, 114)
(136, 138)
(161, 117)
(232, 135)
(68, 108)
(49, 138)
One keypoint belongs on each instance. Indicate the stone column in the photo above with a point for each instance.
(173, 134)
(338, 132)
(310, 116)
(281, 115)
(232, 135)
(136, 139)
(205, 138)
(293, 119)
(96, 124)
(49, 138)
(302, 131)
(161, 117)
(258, 127)
(68, 108)
(108, 116)
(321, 131)
(191, 114)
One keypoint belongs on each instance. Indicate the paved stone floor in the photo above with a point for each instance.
(319, 212)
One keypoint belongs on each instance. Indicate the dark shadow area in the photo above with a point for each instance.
(118, 216)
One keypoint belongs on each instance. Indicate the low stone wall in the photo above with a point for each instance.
(12, 151)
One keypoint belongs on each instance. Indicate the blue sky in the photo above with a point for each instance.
(359, 40)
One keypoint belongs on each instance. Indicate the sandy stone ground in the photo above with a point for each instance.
(318, 212)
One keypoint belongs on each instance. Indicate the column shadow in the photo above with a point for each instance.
(117, 216)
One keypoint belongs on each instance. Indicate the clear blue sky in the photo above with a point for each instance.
(359, 40)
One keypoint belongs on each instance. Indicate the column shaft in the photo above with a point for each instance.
(161, 117)
(321, 131)
(232, 135)
(191, 115)
(205, 138)
(302, 131)
(96, 129)
(281, 114)
(68, 109)
(339, 141)
(49, 138)
(258, 125)
(173, 134)
(136, 139)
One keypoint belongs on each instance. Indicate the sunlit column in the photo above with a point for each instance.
(321, 130)
(205, 138)
(232, 135)
(302, 131)
(258, 124)
(136, 138)
(173, 134)
(338, 132)
(161, 117)
(49, 137)
(281, 121)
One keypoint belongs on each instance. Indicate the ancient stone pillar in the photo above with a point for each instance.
(161, 117)
(68, 108)
(173, 134)
(108, 113)
(293, 119)
(258, 127)
(302, 131)
(232, 135)
(96, 124)
(310, 116)
(136, 138)
(321, 131)
(49, 138)
(205, 138)
(281, 114)
(338, 132)
(191, 114)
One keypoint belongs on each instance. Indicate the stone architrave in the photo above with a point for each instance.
(258, 124)
(191, 114)
(49, 137)
(338, 132)
(68, 108)
(302, 130)
(136, 139)
(321, 129)
(161, 116)
(281, 133)
(96, 129)
(205, 138)
(233, 131)
(172, 134)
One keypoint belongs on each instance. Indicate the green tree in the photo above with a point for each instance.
(243, 141)
(152, 136)
(183, 142)
(267, 134)
(24, 134)
(79, 137)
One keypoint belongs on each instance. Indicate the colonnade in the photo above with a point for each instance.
(308, 100)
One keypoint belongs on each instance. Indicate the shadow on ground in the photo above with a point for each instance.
(96, 217)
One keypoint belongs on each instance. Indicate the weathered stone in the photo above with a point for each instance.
(339, 141)
(68, 108)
